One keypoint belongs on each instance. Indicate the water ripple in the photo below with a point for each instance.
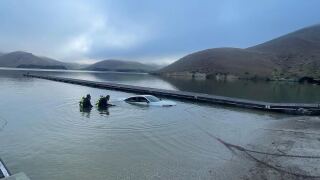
(3, 123)
(121, 119)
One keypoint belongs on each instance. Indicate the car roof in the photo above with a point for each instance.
(140, 96)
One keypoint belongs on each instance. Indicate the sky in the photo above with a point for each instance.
(151, 31)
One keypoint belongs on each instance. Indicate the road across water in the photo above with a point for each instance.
(289, 108)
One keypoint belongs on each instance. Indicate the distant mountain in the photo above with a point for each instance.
(121, 66)
(293, 56)
(20, 59)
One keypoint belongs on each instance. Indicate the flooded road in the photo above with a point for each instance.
(44, 134)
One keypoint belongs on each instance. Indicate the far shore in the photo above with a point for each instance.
(230, 77)
(183, 75)
(67, 70)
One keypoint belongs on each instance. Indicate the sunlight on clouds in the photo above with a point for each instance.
(109, 35)
(67, 30)
(78, 45)
(102, 33)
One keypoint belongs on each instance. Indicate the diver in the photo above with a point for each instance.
(103, 102)
(85, 102)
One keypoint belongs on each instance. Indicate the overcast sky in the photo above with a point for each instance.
(155, 31)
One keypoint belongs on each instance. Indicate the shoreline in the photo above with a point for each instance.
(230, 77)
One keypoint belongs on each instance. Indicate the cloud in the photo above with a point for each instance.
(64, 29)
(104, 34)
(144, 30)
(162, 60)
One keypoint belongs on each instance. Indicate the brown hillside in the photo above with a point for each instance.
(291, 56)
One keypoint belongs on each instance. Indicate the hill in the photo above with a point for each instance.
(120, 66)
(20, 59)
(297, 53)
(231, 62)
(291, 56)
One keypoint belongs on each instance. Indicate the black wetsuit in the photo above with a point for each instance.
(85, 103)
(103, 103)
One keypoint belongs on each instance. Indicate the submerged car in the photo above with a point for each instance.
(149, 100)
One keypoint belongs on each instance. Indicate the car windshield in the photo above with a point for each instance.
(153, 98)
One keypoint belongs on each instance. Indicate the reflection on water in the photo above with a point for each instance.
(255, 90)
(104, 111)
(85, 112)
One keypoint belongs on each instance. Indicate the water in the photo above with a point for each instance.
(44, 134)
(255, 90)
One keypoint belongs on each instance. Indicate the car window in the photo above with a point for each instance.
(137, 99)
(153, 99)
(142, 99)
(132, 99)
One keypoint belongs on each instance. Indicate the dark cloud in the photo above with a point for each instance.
(146, 30)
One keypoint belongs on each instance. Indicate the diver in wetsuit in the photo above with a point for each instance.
(85, 102)
(103, 102)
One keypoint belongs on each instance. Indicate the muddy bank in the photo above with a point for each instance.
(286, 149)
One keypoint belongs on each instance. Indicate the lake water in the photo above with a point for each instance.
(254, 90)
(44, 134)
